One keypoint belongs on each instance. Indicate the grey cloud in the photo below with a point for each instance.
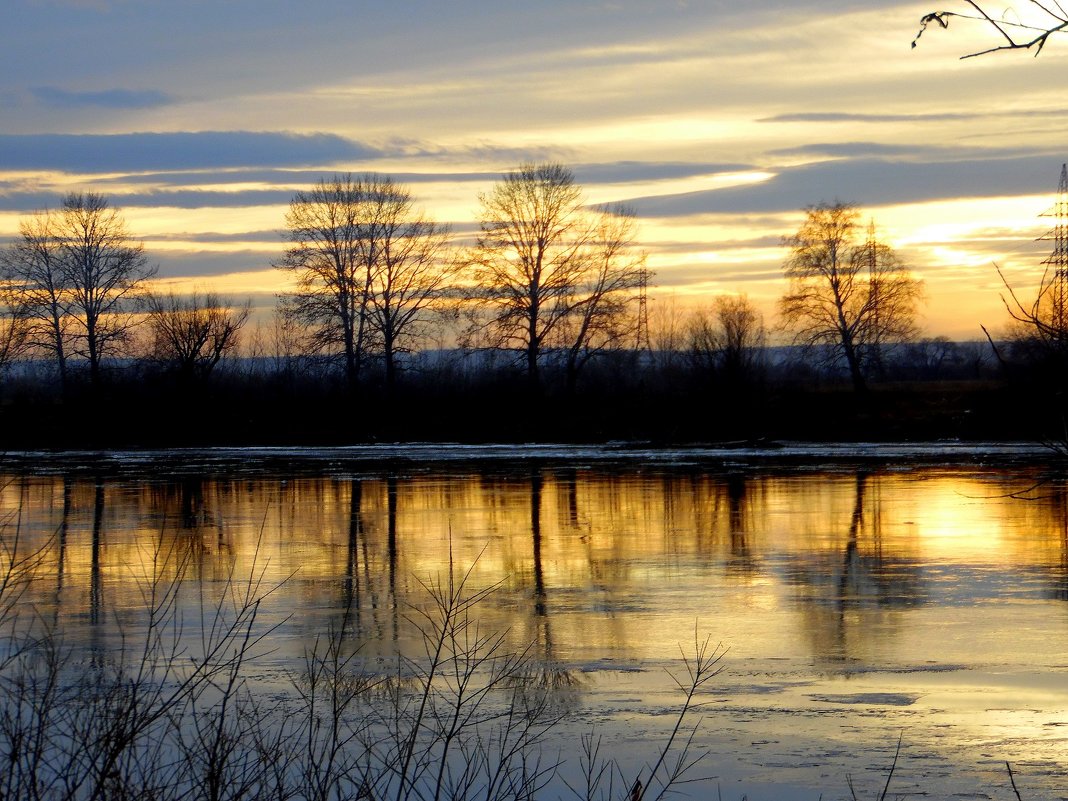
(868, 182)
(289, 177)
(273, 235)
(136, 152)
(110, 98)
(199, 199)
(482, 152)
(196, 265)
(212, 237)
(625, 171)
(683, 275)
(609, 173)
(722, 246)
(17, 200)
(187, 199)
(850, 149)
(837, 116)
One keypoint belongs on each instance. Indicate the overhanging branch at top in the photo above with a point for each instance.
(1015, 34)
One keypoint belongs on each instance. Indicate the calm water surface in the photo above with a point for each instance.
(857, 603)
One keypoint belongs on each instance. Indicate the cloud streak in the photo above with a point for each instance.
(109, 98)
(139, 152)
(865, 181)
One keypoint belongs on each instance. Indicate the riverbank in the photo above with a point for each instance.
(133, 415)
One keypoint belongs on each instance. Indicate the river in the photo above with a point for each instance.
(862, 597)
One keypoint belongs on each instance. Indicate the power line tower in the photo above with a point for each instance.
(871, 248)
(643, 310)
(1053, 293)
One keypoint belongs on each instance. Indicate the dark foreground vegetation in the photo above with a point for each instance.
(182, 708)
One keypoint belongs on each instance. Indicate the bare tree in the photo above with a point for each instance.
(33, 266)
(409, 274)
(668, 324)
(728, 340)
(366, 264)
(1043, 322)
(529, 255)
(846, 295)
(192, 334)
(601, 302)
(326, 244)
(550, 271)
(103, 272)
(14, 324)
(1021, 26)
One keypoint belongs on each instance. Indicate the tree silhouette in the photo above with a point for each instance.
(103, 273)
(14, 323)
(190, 335)
(845, 295)
(411, 274)
(728, 340)
(33, 270)
(552, 273)
(366, 265)
(79, 275)
(600, 318)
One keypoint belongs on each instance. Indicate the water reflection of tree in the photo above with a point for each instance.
(554, 673)
(1062, 519)
(351, 585)
(96, 582)
(369, 607)
(741, 554)
(842, 598)
(193, 532)
(536, 485)
(391, 529)
(62, 531)
(1058, 513)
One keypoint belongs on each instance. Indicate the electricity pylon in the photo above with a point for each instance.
(1054, 289)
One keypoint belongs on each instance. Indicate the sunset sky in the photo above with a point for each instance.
(716, 121)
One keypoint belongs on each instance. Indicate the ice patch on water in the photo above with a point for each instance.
(871, 699)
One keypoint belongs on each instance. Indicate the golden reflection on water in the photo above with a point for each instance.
(595, 564)
(943, 590)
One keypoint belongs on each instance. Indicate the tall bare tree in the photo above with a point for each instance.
(34, 267)
(81, 274)
(550, 271)
(1020, 26)
(601, 302)
(410, 272)
(326, 245)
(14, 323)
(367, 267)
(529, 255)
(846, 295)
(192, 334)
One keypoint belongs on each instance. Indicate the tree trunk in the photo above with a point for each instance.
(351, 367)
(572, 374)
(390, 363)
(859, 385)
(533, 379)
(94, 351)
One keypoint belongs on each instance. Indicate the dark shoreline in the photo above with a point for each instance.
(646, 457)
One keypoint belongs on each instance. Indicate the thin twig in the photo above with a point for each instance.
(1012, 781)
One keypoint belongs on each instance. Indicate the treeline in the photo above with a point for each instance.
(930, 390)
(539, 328)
